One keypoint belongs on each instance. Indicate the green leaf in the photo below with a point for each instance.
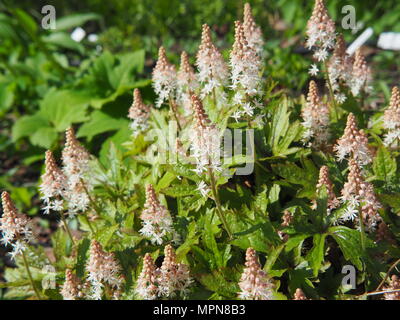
(44, 137)
(129, 62)
(100, 122)
(350, 244)
(272, 257)
(384, 164)
(83, 248)
(105, 234)
(316, 256)
(295, 241)
(180, 191)
(63, 40)
(6, 97)
(190, 240)
(261, 201)
(393, 200)
(64, 107)
(117, 139)
(257, 233)
(299, 176)
(26, 21)
(165, 181)
(27, 125)
(75, 20)
(210, 242)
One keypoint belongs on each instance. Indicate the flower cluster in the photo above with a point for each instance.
(324, 180)
(138, 113)
(187, 82)
(361, 75)
(394, 285)
(16, 228)
(252, 32)
(164, 78)
(171, 280)
(103, 270)
(146, 285)
(254, 282)
(76, 168)
(174, 277)
(53, 186)
(353, 143)
(246, 66)
(315, 118)
(383, 233)
(287, 219)
(72, 289)
(213, 71)
(320, 31)
(360, 197)
(340, 68)
(157, 222)
(299, 295)
(205, 140)
(391, 118)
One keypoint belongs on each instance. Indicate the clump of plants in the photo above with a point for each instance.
(227, 188)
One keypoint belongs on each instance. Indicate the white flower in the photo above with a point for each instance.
(203, 188)
(313, 70)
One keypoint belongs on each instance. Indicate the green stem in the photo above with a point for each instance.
(67, 228)
(335, 108)
(214, 98)
(387, 274)
(261, 166)
(30, 276)
(218, 203)
(89, 223)
(91, 200)
(174, 111)
(362, 229)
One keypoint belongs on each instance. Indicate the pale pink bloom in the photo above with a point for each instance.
(391, 118)
(156, 219)
(254, 283)
(104, 270)
(320, 31)
(315, 116)
(53, 186)
(16, 228)
(353, 143)
(147, 282)
(324, 180)
(360, 197)
(361, 75)
(72, 288)
(205, 140)
(76, 168)
(394, 285)
(299, 295)
(164, 78)
(174, 278)
(213, 71)
(139, 113)
(340, 67)
(187, 82)
(246, 67)
(252, 32)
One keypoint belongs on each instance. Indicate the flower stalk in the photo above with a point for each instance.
(28, 271)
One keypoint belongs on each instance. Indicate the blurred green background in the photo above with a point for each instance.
(48, 81)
